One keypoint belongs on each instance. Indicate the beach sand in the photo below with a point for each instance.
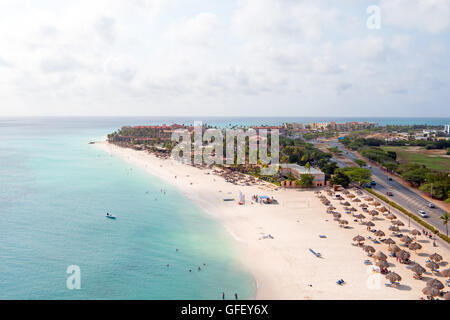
(283, 267)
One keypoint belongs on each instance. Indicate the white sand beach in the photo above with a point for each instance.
(283, 267)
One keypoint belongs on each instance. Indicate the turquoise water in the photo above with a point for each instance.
(55, 189)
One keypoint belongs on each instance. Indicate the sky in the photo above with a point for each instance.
(224, 58)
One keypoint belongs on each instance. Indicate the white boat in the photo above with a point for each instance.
(110, 216)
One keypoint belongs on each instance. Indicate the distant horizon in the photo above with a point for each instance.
(222, 116)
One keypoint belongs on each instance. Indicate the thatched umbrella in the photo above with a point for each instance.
(447, 296)
(393, 277)
(415, 232)
(383, 209)
(356, 200)
(346, 203)
(431, 292)
(445, 273)
(432, 265)
(414, 246)
(390, 216)
(403, 254)
(398, 223)
(337, 215)
(345, 192)
(376, 204)
(379, 233)
(351, 195)
(369, 249)
(394, 229)
(359, 239)
(389, 241)
(418, 269)
(382, 264)
(343, 222)
(360, 216)
(406, 239)
(394, 248)
(363, 205)
(374, 213)
(353, 209)
(435, 283)
(332, 207)
(370, 224)
(380, 256)
(436, 257)
(368, 199)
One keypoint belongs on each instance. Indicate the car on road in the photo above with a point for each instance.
(390, 194)
(390, 179)
(373, 183)
(431, 205)
(423, 214)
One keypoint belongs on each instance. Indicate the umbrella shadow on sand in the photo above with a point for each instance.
(403, 287)
(427, 278)
(423, 241)
(423, 254)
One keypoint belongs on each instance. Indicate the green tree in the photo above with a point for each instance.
(308, 166)
(359, 175)
(360, 163)
(415, 176)
(306, 180)
(340, 178)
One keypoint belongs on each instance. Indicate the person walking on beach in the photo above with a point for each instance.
(235, 296)
(223, 295)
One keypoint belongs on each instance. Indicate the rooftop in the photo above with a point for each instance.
(300, 169)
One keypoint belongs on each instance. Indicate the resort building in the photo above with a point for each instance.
(143, 134)
(281, 129)
(319, 126)
(297, 171)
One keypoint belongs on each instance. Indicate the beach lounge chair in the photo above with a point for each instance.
(367, 262)
(388, 284)
(340, 282)
(322, 236)
(314, 253)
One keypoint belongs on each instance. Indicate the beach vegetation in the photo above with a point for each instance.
(340, 178)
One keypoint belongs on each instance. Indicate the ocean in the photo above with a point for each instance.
(55, 190)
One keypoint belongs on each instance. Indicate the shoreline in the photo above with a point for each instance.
(282, 267)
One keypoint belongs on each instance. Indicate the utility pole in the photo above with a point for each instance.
(432, 190)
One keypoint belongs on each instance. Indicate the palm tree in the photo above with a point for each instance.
(444, 218)
(308, 166)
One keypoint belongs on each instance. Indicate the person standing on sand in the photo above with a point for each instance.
(223, 295)
(235, 296)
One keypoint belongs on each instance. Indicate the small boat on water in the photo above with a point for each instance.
(110, 216)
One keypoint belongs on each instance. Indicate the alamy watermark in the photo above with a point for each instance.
(73, 282)
(206, 146)
(374, 20)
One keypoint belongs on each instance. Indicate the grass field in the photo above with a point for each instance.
(433, 159)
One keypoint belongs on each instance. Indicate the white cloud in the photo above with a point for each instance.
(171, 57)
(426, 15)
(203, 29)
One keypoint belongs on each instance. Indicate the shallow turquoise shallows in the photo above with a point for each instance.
(55, 190)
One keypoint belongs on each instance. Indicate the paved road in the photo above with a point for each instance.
(402, 195)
